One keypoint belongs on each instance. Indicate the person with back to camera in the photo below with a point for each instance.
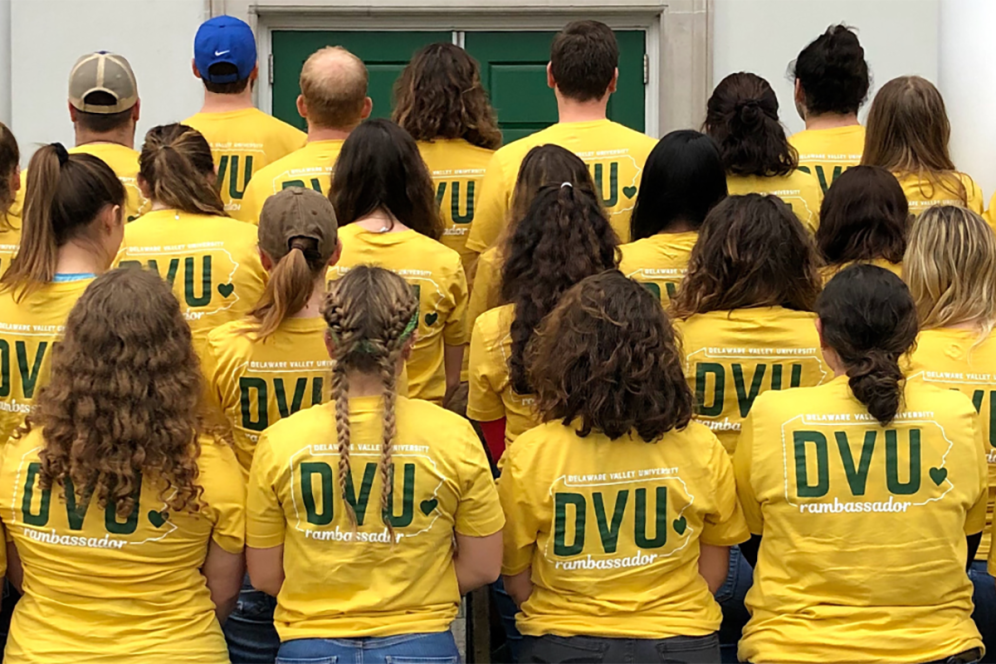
(10, 185)
(243, 139)
(441, 102)
(333, 101)
(370, 515)
(908, 134)
(210, 260)
(950, 267)
(864, 219)
(683, 180)
(583, 73)
(127, 519)
(388, 216)
(831, 83)
(620, 510)
(742, 117)
(866, 497)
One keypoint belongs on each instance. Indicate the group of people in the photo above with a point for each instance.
(385, 363)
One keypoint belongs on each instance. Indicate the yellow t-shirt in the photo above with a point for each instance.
(457, 168)
(629, 575)
(960, 360)
(99, 587)
(10, 241)
(614, 153)
(28, 331)
(243, 142)
(491, 396)
(338, 587)
(732, 357)
(863, 550)
(801, 191)
(310, 167)
(826, 153)
(924, 194)
(436, 275)
(211, 262)
(486, 293)
(659, 262)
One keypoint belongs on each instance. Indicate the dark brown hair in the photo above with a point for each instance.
(868, 318)
(177, 164)
(61, 202)
(742, 117)
(864, 216)
(122, 404)
(564, 238)
(607, 355)
(752, 251)
(440, 95)
(10, 157)
(225, 69)
(380, 168)
(545, 165)
(583, 60)
(833, 73)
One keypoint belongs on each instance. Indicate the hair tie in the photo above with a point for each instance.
(61, 153)
(412, 324)
(566, 184)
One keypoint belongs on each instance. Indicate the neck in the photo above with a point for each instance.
(973, 325)
(316, 133)
(571, 110)
(831, 121)
(678, 226)
(368, 385)
(218, 103)
(77, 257)
(313, 309)
(381, 221)
(124, 136)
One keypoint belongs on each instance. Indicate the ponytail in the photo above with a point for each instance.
(10, 155)
(290, 286)
(176, 163)
(65, 193)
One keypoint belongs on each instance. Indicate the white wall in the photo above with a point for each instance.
(47, 36)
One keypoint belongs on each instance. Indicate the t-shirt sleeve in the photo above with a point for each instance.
(991, 211)
(251, 203)
(456, 333)
(521, 513)
(225, 495)
(726, 525)
(489, 214)
(214, 390)
(484, 404)
(480, 294)
(265, 522)
(975, 521)
(479, 513)
(742, 468)
(976, 199)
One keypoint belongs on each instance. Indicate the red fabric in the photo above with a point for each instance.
(494, 436)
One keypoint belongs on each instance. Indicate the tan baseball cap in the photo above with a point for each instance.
(297, 212)
(102, 72)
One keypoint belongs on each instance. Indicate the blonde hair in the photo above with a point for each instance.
(176, 163)
(334, 86)
(371, 313)
(950, 267)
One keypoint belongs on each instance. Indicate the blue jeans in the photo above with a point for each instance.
(731, 599)
(249, 631)
(984, 599)
(506, 611)
(434, 648)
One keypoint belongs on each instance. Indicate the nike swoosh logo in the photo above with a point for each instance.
(218, 54)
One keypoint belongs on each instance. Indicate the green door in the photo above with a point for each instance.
(513, 69)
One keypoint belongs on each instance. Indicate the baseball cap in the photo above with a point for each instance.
(102, 72)
(297, 212)
(225, 39)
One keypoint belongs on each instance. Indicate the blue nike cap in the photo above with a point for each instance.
(225, 39)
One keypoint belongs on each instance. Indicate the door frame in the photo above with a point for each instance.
(678, 43)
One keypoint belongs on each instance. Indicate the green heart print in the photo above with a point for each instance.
(226, 289)
(629, 191)
(157, 518)
(430, 319)
(938, 475)
(428, 505)
(680, 524)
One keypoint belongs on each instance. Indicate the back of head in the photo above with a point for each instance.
(868, 319)
(10, 157)
(752, 251)
(950, 266)
(864, 217)
(742, 117)
(103, 90)
(225, 55)
(607, 333)
(334, 87)
(833, 73)
(440, 95)
(544, 165)
(564, 238)
(380, 168)
(682, 180)
(177, 165)
(583, 60)
(124, 395)
(299, 234)
(65, 194)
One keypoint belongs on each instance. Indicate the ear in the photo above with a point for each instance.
(406, 350)
(143, 186)
(302, 107)
(367, 108)
(254, 74)
(193, 66)
(136, 110)
(819, 331)
(614, 83)
(329, 344)
(111, 219)
(15, 179)
(337, 254)
(800, 96)
(72, 113)
(265, 259)
(550, 83)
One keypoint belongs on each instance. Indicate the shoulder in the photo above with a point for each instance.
(699, 436)
(231, 338)
(515, 152)
(216, 456)
(445, 257)
(310, 423)
(805, 181)
(425, 416)
(538, 439)
(941, 402)
(493, 324)
(634, 137)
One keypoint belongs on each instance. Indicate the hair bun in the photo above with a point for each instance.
(749, 112)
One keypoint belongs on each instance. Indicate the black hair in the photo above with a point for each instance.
(833, 73)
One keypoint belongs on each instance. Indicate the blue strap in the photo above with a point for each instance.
(72, 276)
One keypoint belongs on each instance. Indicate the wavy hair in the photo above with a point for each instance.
(10, 156)
(607, 355)
(176, 163)
(122, 403)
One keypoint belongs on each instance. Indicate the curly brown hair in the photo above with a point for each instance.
(440, 95)
(123, 400)
(609, 356)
